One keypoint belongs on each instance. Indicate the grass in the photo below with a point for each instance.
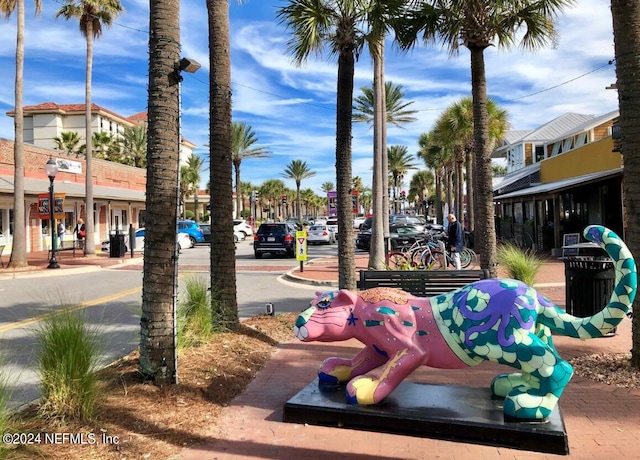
(194, 313)
(520, 264)
(67, 362)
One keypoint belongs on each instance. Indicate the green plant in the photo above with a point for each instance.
(68, 361)
(194, 313)
(520, 264)
(189, 214)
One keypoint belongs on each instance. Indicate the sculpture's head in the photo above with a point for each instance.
(327, 317)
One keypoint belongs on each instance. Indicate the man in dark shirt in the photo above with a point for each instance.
(455, 240)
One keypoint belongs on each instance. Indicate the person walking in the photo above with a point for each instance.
(61, 229)
(455, 240)
(80, 232)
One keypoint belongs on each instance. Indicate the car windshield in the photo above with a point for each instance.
(316, 228)
(272, 228)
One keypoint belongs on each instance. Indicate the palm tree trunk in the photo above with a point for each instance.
(376, 249)
(346, 248)
(626, 32)
(19, 245)
(157, 343)
(90, 244)
(470, 195)
(485, 231)
(238, 192)
(223, 264)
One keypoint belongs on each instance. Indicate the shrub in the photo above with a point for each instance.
(68, 362)
(194, 313)
(520, 264)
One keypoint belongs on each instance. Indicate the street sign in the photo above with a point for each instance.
(301, 246)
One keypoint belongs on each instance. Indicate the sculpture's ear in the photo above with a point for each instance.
(344, 298)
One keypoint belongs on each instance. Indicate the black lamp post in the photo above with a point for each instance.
(51, 168)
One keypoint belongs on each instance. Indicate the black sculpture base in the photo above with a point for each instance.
(448, 412)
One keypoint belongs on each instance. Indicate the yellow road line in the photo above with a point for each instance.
(90, 303)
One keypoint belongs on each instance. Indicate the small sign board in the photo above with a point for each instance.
(569, 239)
(301, 246)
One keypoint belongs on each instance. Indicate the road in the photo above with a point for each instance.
(111, 300)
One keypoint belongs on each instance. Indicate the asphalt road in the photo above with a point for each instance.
(111, 300)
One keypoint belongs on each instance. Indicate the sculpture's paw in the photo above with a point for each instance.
(327, 378)
(361, 390)
(527, 406)
(336, 370)
(503, 384)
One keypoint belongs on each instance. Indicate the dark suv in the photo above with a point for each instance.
(275, 238)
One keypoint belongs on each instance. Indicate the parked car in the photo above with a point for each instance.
(192, 229)
(332, 225)
(206, 231)
(241, 225)
(275, 238)
(399, 235)
(320, 234)
(358, 221)
(402, 219)
(183, 240)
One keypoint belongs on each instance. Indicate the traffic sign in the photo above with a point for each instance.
(301, 246)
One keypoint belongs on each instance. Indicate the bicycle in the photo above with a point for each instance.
(401, 258)
(434, 255)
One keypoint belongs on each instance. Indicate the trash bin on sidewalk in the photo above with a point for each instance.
(117, 247)
(589, 283)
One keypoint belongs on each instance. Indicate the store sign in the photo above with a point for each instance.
(70, 166)
(43, 206)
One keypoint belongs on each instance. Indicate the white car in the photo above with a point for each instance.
(332, 224)
(183, 240)
(358, 221)
(320, 234)
(241, 226)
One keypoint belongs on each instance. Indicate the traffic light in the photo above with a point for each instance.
(403, 195)
(284, 199)
(254, 195)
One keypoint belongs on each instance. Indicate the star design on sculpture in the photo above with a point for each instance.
(351, 321)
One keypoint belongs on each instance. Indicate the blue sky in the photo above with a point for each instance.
(292, 109)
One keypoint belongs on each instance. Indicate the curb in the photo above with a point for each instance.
(289, 276)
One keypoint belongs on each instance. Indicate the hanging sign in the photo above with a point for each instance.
(58, 207)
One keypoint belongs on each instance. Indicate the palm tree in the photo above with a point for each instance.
(327, 187)
(400, 162)
(434, 153)
(476, 26)
(270, 192)
(92, 15)
(195, 164)
(243, 139)
(103, 146)
(332, 25)
(68, 142)
(19, 245)
(134, 145)
(157, 346)
(224, 301)
(396, 112)
(626, 34)
(421, 185)
(298, 170)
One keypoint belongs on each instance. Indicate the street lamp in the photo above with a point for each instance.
(51, 168)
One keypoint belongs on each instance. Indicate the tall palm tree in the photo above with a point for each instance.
(134, 145)
(421, 185)
(19, 244)
(626, 34)
(270, 192)
(157, 344)
(69, 142)
(103, 146)
(475, 25)
(396, 112)
(333, 26)
(92, 15)
(327, 187)
(435, 155)
(243, 138)
(224, 301)
(195, 164)
(400, 162)
(298, 170)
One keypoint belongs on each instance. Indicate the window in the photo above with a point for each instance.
(556, 149)
(581, 140)
(539, 153)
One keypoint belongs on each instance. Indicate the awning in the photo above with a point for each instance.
(72, 189)
(560, 185)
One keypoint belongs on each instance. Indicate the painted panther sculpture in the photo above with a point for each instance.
(500, 320)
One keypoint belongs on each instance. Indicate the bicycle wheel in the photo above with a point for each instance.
(467, 257)
(432, 259)
(397, 261)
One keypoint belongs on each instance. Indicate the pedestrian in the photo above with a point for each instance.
(455, 240)
(61, 230)
(80, 231)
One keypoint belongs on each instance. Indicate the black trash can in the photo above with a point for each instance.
(117, 247)
(588, 284)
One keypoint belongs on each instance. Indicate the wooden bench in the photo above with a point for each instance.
(421, 283)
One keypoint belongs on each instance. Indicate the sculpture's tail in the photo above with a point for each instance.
(621, 300)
